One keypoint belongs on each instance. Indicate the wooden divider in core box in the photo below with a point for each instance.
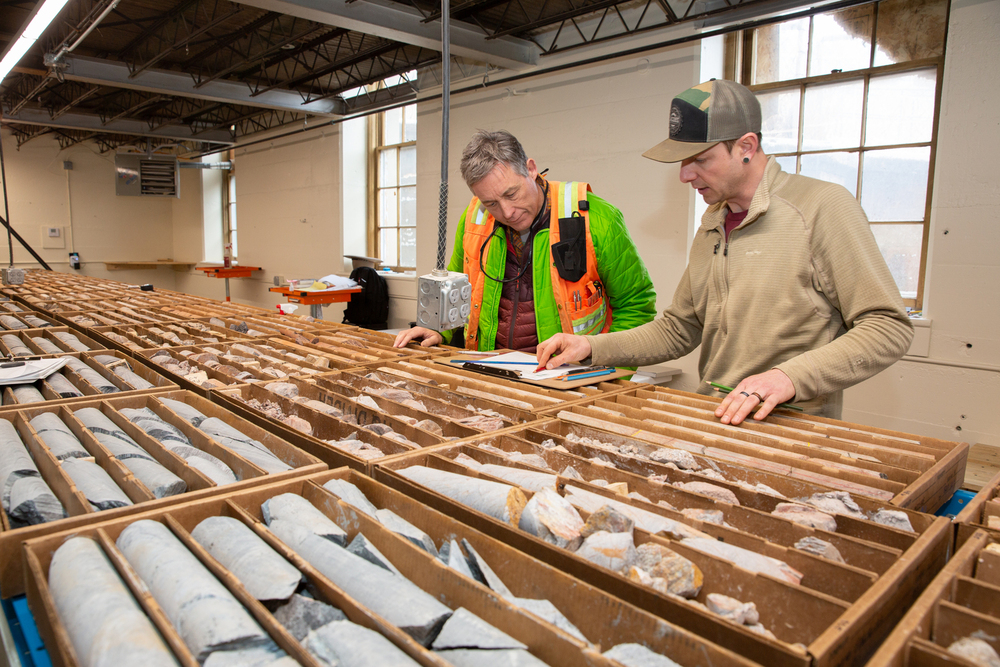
(88, 319)
(49, 335)
(839, 612)
(475, 386)
(341, 390)
(90, 392)
(358, 345)
(134, 338)
(243, 362)
(39, 321)
(983, 511)
(81, 513)
(916, 472)
(963, 600)
(600, 617)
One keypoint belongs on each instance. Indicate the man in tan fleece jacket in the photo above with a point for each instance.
(786, 290)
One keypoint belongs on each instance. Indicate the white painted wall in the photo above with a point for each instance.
(288, 200)
(82, 201)
(963, 277)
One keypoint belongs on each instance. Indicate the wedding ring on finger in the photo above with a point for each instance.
(759, 397)
(743, 393)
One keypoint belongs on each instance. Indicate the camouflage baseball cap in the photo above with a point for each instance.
(700, 117)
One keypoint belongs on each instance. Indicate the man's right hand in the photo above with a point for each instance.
(562, 349)
(427, 337)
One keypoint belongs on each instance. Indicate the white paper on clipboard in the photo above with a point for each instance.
(525, 364)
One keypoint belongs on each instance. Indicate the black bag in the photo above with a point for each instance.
(368, 308)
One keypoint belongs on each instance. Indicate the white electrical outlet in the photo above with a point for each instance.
(54, 232)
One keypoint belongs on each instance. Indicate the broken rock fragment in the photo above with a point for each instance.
(748, 560)
(552, 518)
(637, 655)
(302, 614)
(707, 516)
(615, 551)
(975, 650)
(681, 576)
(466, 630)
(741, 613)
(807, 516)
(713, 491)
(347, 644)
(893, 519)
(820, 548)
(404, 528)
(501, 501)
(351, 495)
(395, 598)
(607, 519)
(261, 569)
(836, 502)
(680, 458)
(360, 546)
(298, 510)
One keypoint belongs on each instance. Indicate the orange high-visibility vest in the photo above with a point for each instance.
(582, 305)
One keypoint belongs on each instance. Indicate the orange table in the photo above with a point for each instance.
(316, 300)
(228, 272)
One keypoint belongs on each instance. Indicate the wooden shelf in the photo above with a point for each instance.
(124, 266)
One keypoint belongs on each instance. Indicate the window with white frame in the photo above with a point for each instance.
(852, 96)
(394, 232)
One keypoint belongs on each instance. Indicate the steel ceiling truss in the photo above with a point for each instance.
(265, 50)
(559, 25)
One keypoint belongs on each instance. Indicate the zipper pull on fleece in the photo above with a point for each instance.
(716, 251)
(725, 251)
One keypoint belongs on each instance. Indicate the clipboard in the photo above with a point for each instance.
(460, 361)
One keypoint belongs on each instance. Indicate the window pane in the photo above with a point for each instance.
(840, 168)
(387, 168)
(832, 116)
(901, 108)
(408, 247)
(787, 164)
(780, 113)
(236, 246)
(900, 245)
(910, 30)
(387, 208)
(781, 51)
(894, 183)
(408, 165)
(841, 40)
(393, 127)
(408, 207)
(387, 249)
(410, 123)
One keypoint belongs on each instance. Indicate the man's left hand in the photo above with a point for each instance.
(761, 392)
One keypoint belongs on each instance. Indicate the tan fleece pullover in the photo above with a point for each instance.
(800, 286)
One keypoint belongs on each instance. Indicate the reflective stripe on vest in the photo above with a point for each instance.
(585, 314)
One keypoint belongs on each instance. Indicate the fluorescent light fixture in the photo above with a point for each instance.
(43, 16)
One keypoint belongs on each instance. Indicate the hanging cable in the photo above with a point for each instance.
(445, 108)
(6, 208)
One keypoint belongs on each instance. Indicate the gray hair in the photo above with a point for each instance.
(488, 149)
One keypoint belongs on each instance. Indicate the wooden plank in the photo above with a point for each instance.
(983, 464)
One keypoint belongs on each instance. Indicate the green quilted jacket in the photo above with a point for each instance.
(625, 278)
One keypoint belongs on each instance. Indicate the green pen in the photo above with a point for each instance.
(722, 387)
